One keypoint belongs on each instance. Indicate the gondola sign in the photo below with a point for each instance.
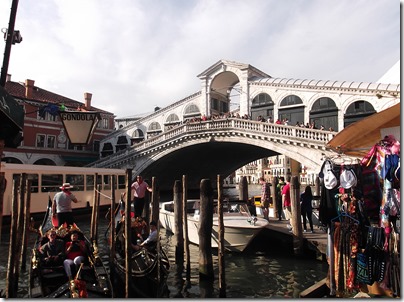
(79, 125)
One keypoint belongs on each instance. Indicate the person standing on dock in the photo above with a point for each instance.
(139, 188)
(279, 188)
(265, 197)
(287, 205)
(306, 208)
(62, 205)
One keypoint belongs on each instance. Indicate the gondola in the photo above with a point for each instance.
(90, 281)
(149, 268)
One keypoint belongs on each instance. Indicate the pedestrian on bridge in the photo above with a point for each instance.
(139, 188)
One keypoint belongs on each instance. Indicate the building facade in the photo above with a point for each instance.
(44, 139)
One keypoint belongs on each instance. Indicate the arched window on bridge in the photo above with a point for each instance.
(357, 111)
(262, 105)
(122, 143)
(107, 149)
(171, 121)
(295, 109)
(191, 111)
(137, 137)
(153, 129)
(324, 112)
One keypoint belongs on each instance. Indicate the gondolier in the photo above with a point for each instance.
(62, 205)
(139, 188)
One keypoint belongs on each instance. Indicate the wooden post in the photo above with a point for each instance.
(185, 217)
(20, 231)
(155, 201)
(112, 228)
(205, 231)
(274, 197)
(93, 212)
(243, 189)
(317, 186)
(128, 234)
(10, 281)
(96, 209)
(221, 250)
(2, 190)
(179, 234)
(148, 199)
(27, 220)
(296, 215)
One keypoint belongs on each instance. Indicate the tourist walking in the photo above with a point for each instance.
(278, 194)
(287, 205)
(62, 205)
(306, 208)
(139, 188)
(265, 197)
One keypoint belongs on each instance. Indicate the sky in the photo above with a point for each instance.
(134, 55)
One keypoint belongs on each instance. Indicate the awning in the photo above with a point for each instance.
(358, 138)
(11, 118)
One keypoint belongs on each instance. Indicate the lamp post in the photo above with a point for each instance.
(12, 38)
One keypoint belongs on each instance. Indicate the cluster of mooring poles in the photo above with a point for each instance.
(21, 224)
(206, 272)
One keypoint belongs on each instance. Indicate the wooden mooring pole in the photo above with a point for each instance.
(2, 189)
(27, 221)
(221, 250)
(128, 234)
(11, 291)
(185, 218)
(243, 188)
(155, 201)
(205, 231)
(112, 228)
(296, 215)
(273, 197)
(92, 231)
(179, 233)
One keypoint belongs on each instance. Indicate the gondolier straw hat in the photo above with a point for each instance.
(66, 186)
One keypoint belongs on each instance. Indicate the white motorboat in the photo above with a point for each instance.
(240, 226)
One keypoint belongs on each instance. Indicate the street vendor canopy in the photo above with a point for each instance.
(358, 138)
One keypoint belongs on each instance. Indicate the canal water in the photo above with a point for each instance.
(270, 272)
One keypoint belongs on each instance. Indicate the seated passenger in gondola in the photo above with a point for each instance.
(53, 251)
(76, 253)
(150, 241)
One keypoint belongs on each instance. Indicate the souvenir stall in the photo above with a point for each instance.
(360, 205)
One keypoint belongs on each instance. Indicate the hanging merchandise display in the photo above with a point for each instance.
(360, 204)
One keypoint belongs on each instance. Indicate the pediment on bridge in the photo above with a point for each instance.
(223, 64)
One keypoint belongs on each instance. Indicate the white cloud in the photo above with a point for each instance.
(135, 55)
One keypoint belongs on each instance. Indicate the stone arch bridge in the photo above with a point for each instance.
(219, 146)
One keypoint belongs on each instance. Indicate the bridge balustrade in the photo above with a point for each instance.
(315, 136)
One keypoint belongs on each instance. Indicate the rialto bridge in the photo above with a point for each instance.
(175, 140)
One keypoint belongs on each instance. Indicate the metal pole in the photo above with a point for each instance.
(9, 41)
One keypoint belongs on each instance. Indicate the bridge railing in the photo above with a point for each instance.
(316, 136)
